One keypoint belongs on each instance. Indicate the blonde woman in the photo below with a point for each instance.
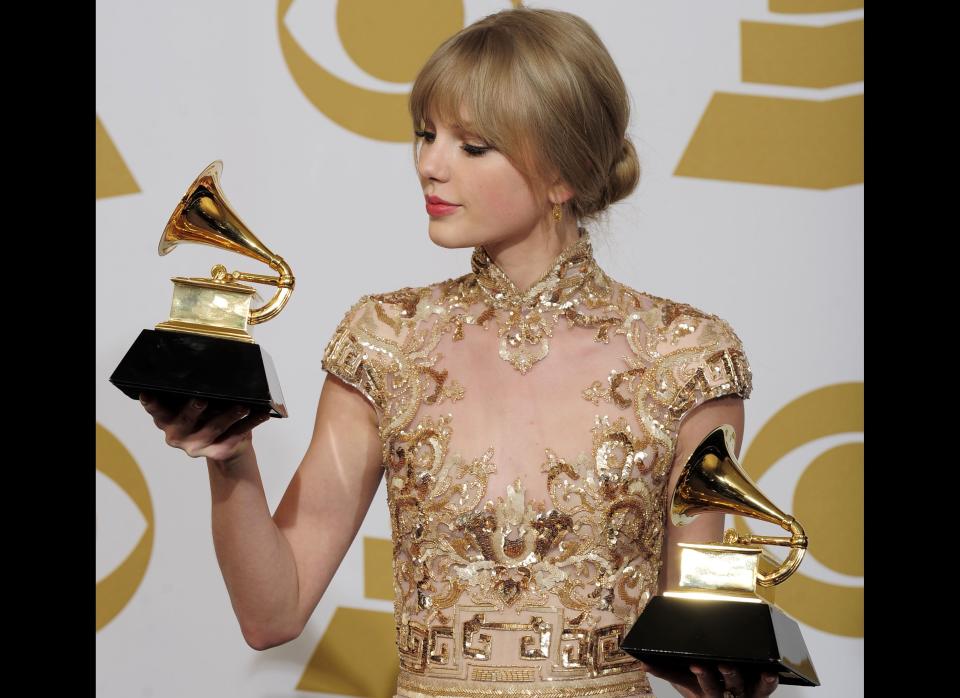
(529, 414)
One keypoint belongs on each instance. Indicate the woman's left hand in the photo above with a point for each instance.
(721, 681)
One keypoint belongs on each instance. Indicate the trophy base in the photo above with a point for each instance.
(205, 330)
(194, 365)
(677, 631)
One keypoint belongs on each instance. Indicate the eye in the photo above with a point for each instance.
(471, 150)
(475, 150)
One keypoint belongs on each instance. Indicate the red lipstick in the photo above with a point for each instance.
(440, 207)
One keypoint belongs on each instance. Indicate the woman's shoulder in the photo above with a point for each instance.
(401, 307)
(370, 336)
(661, 312)
(692, 355)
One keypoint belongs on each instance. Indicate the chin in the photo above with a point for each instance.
(448, 236)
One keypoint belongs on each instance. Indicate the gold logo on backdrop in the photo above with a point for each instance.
(113, 175)
(828, 498)
(388, 40)
(116, 589)
(341, 661)
(808, 143)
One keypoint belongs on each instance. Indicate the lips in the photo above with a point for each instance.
(437, 200)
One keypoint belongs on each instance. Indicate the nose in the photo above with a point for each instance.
(431, 161)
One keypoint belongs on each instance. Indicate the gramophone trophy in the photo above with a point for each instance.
(204, 350)
(715, 614)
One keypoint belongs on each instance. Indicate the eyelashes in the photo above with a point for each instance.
(472, 150)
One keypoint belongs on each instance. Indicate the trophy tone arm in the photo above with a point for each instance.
(797, 543)
(285, 283)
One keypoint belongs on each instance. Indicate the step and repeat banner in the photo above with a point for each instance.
(748, 121)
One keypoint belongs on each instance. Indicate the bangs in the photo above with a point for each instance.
(473, 81)
(470, 72)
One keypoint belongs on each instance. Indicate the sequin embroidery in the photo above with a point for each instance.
(528, 587)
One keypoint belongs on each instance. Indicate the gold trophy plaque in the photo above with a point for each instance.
(715, 615)
(205, 349)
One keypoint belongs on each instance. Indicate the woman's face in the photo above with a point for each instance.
(494, 201)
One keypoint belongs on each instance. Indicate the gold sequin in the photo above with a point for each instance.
(518, 594)
(413, 686)
(525, 320)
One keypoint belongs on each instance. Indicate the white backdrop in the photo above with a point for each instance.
(763, 220)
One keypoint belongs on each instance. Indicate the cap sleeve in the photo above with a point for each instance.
(704, 359)
(348, 354)
(366, 348)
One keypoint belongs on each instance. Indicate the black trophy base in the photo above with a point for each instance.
(751, 636)
(196, 366)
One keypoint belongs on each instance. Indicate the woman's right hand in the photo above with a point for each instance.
(200, 430)
(701, 680)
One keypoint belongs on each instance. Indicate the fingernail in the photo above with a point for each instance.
(199, 404)
(770, 679)
(696, 670)
(143, 399)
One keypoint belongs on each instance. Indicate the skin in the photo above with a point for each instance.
(277, 568)
(497, 208)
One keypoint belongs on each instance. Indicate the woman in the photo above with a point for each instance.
(530, 416)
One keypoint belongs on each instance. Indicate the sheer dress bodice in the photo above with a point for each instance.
(527, 439)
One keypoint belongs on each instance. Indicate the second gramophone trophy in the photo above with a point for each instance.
(715, 615)
(205, 350)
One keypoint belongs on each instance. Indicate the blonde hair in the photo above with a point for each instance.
(541, 88)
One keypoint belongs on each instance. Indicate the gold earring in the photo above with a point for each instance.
(557, 212)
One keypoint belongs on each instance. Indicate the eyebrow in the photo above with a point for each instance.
(456, 126)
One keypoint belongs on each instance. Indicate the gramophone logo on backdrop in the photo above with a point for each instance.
(113, 175)
(389, 41)
(815, 144)
(122, 477)
(809, 143)
(827, 497)
(341, 662)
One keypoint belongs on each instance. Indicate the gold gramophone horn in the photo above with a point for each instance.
(204, 216)
(713, 612)
(713, 481)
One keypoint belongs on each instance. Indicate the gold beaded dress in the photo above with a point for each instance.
(527, 440)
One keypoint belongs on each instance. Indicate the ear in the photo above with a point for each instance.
(559, 192)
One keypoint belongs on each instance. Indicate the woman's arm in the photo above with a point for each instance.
(705, 528)
(277, 568)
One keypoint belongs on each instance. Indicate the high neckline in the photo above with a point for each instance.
(566, 271)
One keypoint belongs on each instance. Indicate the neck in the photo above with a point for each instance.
(525, 260)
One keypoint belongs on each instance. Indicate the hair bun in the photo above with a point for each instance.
(624, 174)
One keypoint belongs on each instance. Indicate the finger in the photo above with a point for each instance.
(766, 684)
(162, 413)
(185, 421)
(245, 423)
(217, 422)
(225, 445)
(673, 674)
(205, 430)
(709, 681)
(732, 679)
